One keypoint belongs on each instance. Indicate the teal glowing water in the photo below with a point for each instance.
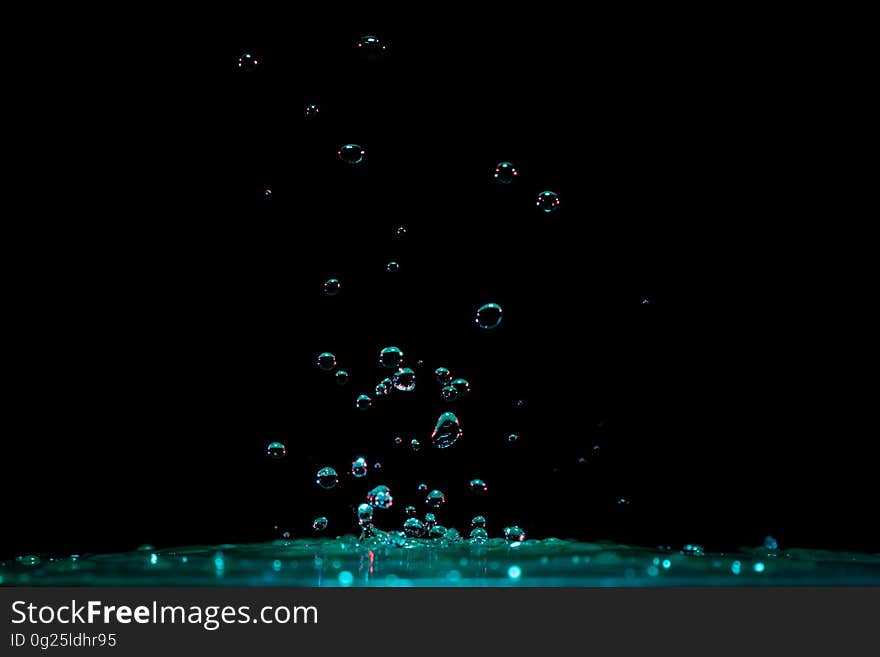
(418, 562)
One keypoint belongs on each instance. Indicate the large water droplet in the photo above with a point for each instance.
(365, 515)
(447, 431)
(363, 403)
(548, 201)
(331, 287)
(405, 380)
(359, 467)
(488, 316)
(276, 450)
(320, 524)
(351, 153)
(478, 486)
(514, 534)
(247, 61)
(342, 377)
(391, 358)
(327, 478)
(435, 499)
(442, 376)
(380, 497)
(505, 173)
(326, 361)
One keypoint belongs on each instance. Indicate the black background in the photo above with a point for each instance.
(164, 318)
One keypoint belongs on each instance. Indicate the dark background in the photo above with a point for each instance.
(164, 318)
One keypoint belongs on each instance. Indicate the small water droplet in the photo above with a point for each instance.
(478, 486)
(365, 515)
(448, 394)
(351, 153)
(512, 438)
(327, 478)
(442, 376)
(771, 543)
(693, 549)
(514, 534)
(326, 361)
(267, 194)
(363, 403)
(405, 380)
(415, 445)
(285, 535)
(423, 488)
(479, 535)
(478, 521)
(380, 497)
(488, 316)
(383, 388)
(359, 467)
(413, 527)
(276, 450)
(548, 202)
(391, 358)
(505, 173)
(371, 48)
(331, 287)
(248, 62)
(392, 267)
(447, 431)
(400, 231)
(430, 520)
(462, 387)
(342, 377)
(435, 499)
(28, 560)
(410, 510)
(398, 440)
(312, 111)
(319, 524)
(377, 465)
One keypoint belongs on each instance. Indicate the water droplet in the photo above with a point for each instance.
(391, 358)
(393, 267)
(693, 549)
(267, 194)
(359, 467)
(395, 538)
(415, 444)
(519, 404)
(512, 438)
(410, 510)
(447, 431)
(248, 62)
(430, 520)
(363, 403)
(312, 111)
(276, 450)
(380, 497)
(462, 387)
(327, 478)
(442, 376)
(423, 488)
(331, 287)
(405, 380)
(435, 499)
(622, 501)
(326, 361)
(646, 301)
(478, 486)
(372, 48)
(351, 153)
(28, 560)
(488, 316)
(398, 440)
(548, 201)
(365, 515)
(448, 393)
(319, 524)
(377, 465)
(479, 535)
(437, 531)
(735, 567)
(514, 534)
(505, 173)
(478, 521)
(758, 567)
(342, 377)
(400, 231)
(383, 388)
(285, 535)
(770, 543)
(413, 527)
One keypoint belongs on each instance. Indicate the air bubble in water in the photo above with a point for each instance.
(342, 377)
(363, 402)
(320, 524)
(359, 467)
(248, 62)
(442, 376)
(505, 173)
(276, 450)
(312, 111)
(405, 380)
(435, 499)
(326, 361)
(327, 478)
(391, 358)
(478, 486)
(351, 153)
(365, 515)
(488, 316)
(447, 431)
(548, 201)
(380, 497)
(331, 287)
(478, 521)
(514, 534)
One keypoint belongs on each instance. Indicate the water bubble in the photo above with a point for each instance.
(488, 316)
(479, 535)
(447, 431)
(267, 194)
(415, 445)
(371, 47)
(326, 361)
(423, 488)
(380, 497)
(391, 358)
(331, 287)
(771, 543)
(400, 231)
(410, 510)
(646, 301)
(519, 404)
(276, 450)
(462, 387)
(248, 62)
(514, 534)
(735, 567)
(327, 478)
(435, 499)
(396, 538)
(312, 111)
(377, 465)
(398, 440)
(392, 267)
(351, 153)
(505, 173)
(413, 527)
(319, 524)
(383, 388)
(548, 201)
(478, 521)
(512, 438)
(28, 560)
(363, 402)
(437, 531)
(693, 549)
(405, 380)
(365, 515)
(448, 393)
(359, 467)
(442, 376)
(478, 486)
(758, 567)
(285, 535)
(342, 377)
(430, 520)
